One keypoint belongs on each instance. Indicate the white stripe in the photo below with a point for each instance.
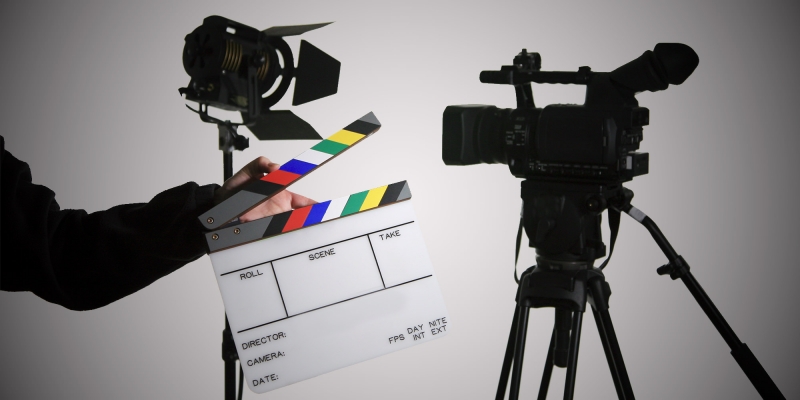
(637, 214)
(313, 157)
(335, 208)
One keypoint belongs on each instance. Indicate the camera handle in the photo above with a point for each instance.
(677, 267)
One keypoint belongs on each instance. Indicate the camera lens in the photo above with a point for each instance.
(473, 134)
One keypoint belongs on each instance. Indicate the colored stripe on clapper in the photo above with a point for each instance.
(260, 191)
(307, 216)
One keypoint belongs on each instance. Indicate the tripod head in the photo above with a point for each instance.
(562, 221)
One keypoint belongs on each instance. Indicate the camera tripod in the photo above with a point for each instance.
(567, 285)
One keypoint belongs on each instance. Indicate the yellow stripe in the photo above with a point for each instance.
(373, 198)
(346, 137)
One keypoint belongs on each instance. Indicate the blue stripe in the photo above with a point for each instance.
(317, 212)
(298, 167)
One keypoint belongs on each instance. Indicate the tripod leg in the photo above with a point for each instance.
(607, 351)
(600, 293)
(519, 351)
(548, 368)
(572, 363)
(501, 385)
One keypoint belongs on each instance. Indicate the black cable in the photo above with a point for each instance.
(613, 224)
(516, 254)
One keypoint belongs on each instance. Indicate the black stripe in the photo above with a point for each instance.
(278, 222)
(364, 128)
(391, 193)
(264, 188)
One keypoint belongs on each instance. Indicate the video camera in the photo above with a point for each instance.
(593, 142)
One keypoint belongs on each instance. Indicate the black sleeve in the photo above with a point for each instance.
(84, 261)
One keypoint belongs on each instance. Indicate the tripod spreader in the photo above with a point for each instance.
(679, 268)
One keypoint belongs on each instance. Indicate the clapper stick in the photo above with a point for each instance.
(262, 190)
(304, 217)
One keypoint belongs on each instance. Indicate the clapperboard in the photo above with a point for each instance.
(322, 287)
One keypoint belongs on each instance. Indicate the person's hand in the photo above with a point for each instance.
(256, 169)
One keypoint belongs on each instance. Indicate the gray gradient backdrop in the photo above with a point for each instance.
(90, 101)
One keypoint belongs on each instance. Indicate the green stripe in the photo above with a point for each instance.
(354, 203)
(329, 146)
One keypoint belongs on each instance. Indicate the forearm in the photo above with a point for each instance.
(84, 261)
(104, 256)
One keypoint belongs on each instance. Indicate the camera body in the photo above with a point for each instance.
(561, 141)
(592, 142)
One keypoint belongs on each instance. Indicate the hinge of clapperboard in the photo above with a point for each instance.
(222, 220)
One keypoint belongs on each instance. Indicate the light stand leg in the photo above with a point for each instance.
(678, 268)
(229, 362)
(229, 354)
(227, 164)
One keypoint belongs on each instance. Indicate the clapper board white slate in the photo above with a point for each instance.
(317, 299)
(316, 289)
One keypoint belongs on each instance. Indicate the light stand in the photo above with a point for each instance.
(233, 66)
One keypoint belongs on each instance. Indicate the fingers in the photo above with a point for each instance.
(281, 202)
(252, 171)
(299, 201)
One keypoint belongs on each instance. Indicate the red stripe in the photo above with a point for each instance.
(280, 177)
(296, 219)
